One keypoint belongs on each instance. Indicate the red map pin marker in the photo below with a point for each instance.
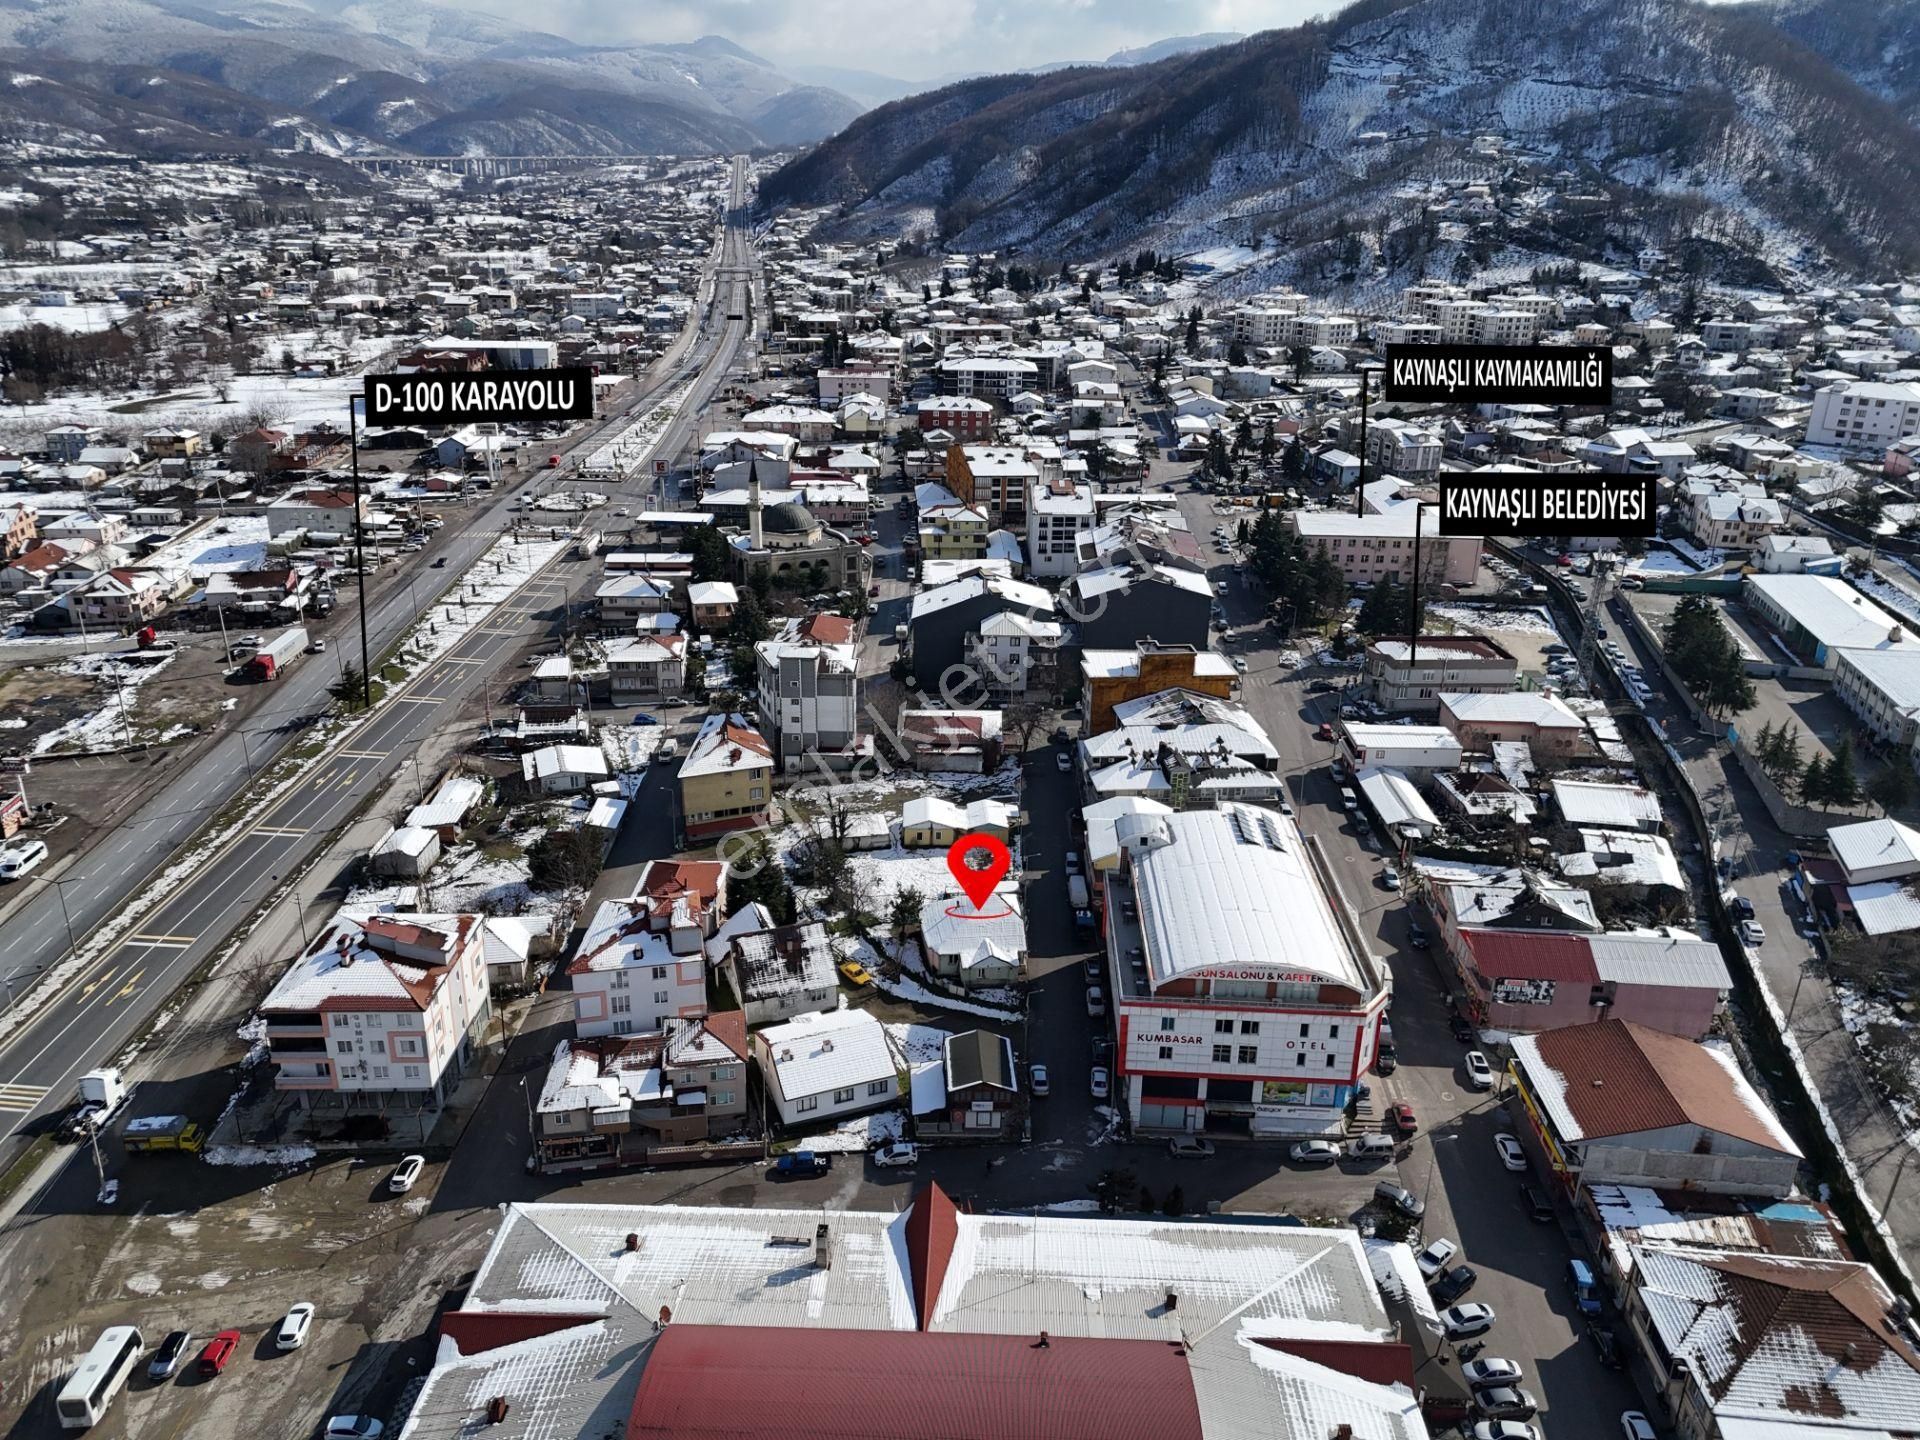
(978, 880)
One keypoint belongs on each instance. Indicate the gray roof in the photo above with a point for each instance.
(979, 1057)
(1680, 960)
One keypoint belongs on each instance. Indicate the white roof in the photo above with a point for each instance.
(995, 933)
(406, 840)
(1116, 664)
(726, 742)
(712, 592)
(1232, 888)
(552, 760)
(975, 815)
(456, 795)
(1546, 711)
(1893, 673)
(1833, 612)
(1107, 578)
(1588, 802)
(1395, 798)
(819, 1052)
(1876, 845)
(341, 964)
(972, 587)
(1403, 737)
(1626, 857)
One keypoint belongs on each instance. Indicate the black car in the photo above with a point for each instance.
(1322, 687)
(1453, 1284)
(1607, 1344)
(1536, 1204)
(1096, 968)
(167, 1358)
(1462, 1030)
(1740, 908)
(1418, 937)
(1060, 736)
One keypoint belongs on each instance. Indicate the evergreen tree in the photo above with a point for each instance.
(1293, 464)
(1299, 356)
(1813, 782)
(1236, 353)
(1269, 443)
(1766, 747)
(946, 287)
(1892, 788)
(350, 688)
(1243, 436)
(1843, 784)
(1387, 610)
(750, 625)
(1193, 331)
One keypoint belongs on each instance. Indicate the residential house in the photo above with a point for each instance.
(642, 960)
(713, 603)
(827, 1065)
(1543, 722)
(628, 598)
(962, 741)
(945, 619)
(781, 971)
(1116, 605)
(563, 769)
(646, 667)
(1015, 656)
(975, 946)
(726, 781)
(612, 1100)
(316, 511)
(934, 822)
(380, 1012)
(17, 530)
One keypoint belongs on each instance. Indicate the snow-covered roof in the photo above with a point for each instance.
(822, 1051)
(1881, 849)
(369, 961)
(726, 743)
(552, 760)
(994, 933)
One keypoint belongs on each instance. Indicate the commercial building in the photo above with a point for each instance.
(1245, 995)
(1618, 1103)
(1113, 677)
(1542, 722)
(996, 478)
(1518, 979)
(1409, 678)
(635, 1322)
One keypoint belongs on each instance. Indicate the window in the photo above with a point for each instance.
(1166, 1052)
(659, 972)
(1249, 1027)
(340, 1022)
(723, 1097)
(620, 979)
(661, 997)
(843, 1097)
(411, 1072)
(345, 1047)
(879, 1087)
(379, 1047)
(1249, 1054)
(1303, 1032)
(1333, 1032)
(1223, 1054)
(380, 1072)
(807, 1102)
(757, 793)
(1167, 1022)
(1223, 1027)
(621, 1005)
(623, 1027)
(1300, 1060)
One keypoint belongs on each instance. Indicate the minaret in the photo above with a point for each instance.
(756, 541)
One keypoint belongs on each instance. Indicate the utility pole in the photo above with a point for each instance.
(360, 554)
(1360, 481)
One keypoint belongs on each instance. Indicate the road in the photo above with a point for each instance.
(118, 990)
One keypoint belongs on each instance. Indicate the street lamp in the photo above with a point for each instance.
(65, 914)
(299, 911)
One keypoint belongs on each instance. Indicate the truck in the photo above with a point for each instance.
(588, 545)
(163, 1132)
(98, 1096)
(272, 658)
(1082, 904)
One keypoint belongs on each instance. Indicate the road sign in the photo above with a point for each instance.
(659, 467)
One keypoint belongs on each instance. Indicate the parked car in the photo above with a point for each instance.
(1433, 1260)
(1505, 1430)
(1371, 1146)
(1390, 877)
(854, 973)
(1505, 1402)
(1512, 1154)
(800, 1165)
(1417, 936)
(1322, 687)
(1739, 907)
(1325, 732)
(1093, 968)
(1096, 1000)
(1536, 1204)
(1097, 1082)
(17, 860)
(900, 1152)
(1402, 1117)
(1037, 1081)
(1479, 1072)
(1189, 1147)
(166, 1360)
(1314, 1152)
(405, 1174)
(1752, 933)
(1399, 1198)
(293, 1329)
(1063, 761)
(219, 1351)
(1461, 1028)
(1606, 1344)
(1491, 1371)
(1463, 1322)
(1060, 736)
(354, 1427)
(1635, 1426)
(1452, 1285)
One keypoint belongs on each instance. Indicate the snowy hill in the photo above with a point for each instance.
(1351, 143)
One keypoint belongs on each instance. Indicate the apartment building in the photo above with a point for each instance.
(1372, 548)
(809, 692)
(1398, 447)
(1057, 511)
(726, 781)
(1864, 414)
(998, 478)
(642, 960)
(1408, 678)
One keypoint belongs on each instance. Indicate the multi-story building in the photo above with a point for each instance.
(646, 667)
(954, 532)
(1726, 514)
(726, 781)
(809, 691)
(1882, 687)
(1113, 677)
(1372, 548)
(1118, 604)
(17, 530)
(1268, 321)
(1245, 993)
(1542, 721)
(1409, 678)
(1864, 414)
(315, 511)
(1017, 655)
(1398, 447)
(1502, 326)
(380, 1012)
(1057, 511)
(642, 960)
(1000, 375)
(964, 417)
(995, 477)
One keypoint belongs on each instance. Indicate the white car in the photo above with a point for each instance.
(17, 860)
(1097, 1082)
(1636, 1426)
(1752, 932)
(1315, 1152)
(1240, 664)
(900, 1152)
(1433, 1260)
(1479, 1072)
(1505, 1430)
(293, 1329)
(405, 1173)
(1037, 1081)
(1463, 1322)
(1096, 1001)
(1512, 1155)
(1063, 761)
(1390, 878)
(354, 1427)
(1491, 1371)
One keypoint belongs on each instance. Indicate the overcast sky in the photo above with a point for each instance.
(916, 41)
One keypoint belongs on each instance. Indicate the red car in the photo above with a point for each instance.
(1566, 562)
(1325, 732)
(874, 591)
(219, 1350)
(1402, 1117)
(553, 462)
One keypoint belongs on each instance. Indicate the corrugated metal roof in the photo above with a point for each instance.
(1885, 907)
(1683, 961)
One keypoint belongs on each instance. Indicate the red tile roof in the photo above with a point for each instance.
(735, 1382)
(932, 1226)
(1530, 955)
(828, 629)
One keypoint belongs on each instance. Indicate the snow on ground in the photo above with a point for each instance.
(71, 318)
(489, 582)
(284, 1156)
(1522, 620)
(1897, 598)
(111, 725)
(1859, 1011)
(1662, 562)
(989, 1003)
(629, 748)
(917, 1044)
(858, 1135)
(632, 445)
(1702, 559)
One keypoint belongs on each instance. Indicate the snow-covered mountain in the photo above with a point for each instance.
(1611, 122)
(411, 75)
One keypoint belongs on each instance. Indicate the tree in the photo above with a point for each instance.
(1387, 610)
(1022, 720)
(709, 549)
(1236, 353)
(904, 913)
(1842, 785)
(1300, 357)
(755, 874)
(1193, 331)
(1175, 1203)
(1813, 782)
(750, 625)
(1293, 463)
(1218, 462)
(1114, 1188)
(1243, 436)
(1269, 444)
(946, 288)
(563, 859)
(1892, 788)
(351, 688)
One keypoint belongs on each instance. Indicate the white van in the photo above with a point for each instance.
(1348, 800)
(1371, 1146)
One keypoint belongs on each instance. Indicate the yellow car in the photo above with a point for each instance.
(854, 973)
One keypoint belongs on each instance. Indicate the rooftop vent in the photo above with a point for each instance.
(497, 1409)
(633, 1240)
(822, 1246)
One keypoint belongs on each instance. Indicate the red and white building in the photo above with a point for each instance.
(642, 960)
(1244, 994)
(961, 416)
(380, 1012)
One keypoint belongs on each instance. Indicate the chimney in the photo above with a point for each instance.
(1173, 1302)
(497, 1409)
(822, 1247)
(633, 1240)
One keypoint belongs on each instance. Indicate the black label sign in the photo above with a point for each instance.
(1527, 502)
(504, 396)
(1508, 374)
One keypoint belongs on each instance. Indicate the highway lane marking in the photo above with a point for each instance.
(21, 1098)
(413, 700)
(94, 984)
(127, 989)
(284, 831)
(366, 754)
(464, 660)
(177, 942)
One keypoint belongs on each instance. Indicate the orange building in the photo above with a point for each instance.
(1113, 677)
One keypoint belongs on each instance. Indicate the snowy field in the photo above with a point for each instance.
(111, 725)
(1514, 620)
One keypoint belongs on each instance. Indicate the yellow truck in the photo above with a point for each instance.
(163, 1132)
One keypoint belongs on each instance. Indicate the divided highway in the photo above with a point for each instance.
(117, 991)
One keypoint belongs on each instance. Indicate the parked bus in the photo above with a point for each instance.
(103, 1370)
